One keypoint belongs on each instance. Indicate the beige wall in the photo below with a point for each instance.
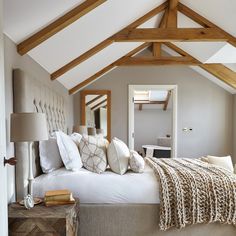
(202, 105)
(14, 60)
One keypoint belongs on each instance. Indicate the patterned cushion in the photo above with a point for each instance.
(93, 153)
(136, 162)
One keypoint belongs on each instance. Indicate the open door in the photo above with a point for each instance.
(3, 176)
(170, 89)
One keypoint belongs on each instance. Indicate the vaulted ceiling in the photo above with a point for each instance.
(73, 40)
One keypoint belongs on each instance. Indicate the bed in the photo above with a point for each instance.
(109, 188)
(111, 205)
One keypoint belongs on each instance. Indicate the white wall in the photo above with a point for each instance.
(149, 124)
(27, 64)
(202, 105)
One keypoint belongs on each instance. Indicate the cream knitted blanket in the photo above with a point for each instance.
(192, 192)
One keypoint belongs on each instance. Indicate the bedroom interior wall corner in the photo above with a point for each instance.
(12, 61)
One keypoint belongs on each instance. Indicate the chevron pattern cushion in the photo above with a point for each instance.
(93, 153)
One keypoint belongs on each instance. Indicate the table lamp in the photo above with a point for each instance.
(29, 127)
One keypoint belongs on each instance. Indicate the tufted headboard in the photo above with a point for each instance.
(29, 95)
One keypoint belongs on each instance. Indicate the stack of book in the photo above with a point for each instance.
(58, 197)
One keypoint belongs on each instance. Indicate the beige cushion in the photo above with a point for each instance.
(225, 162)
(93, 153)
(205, 159)
(136, 162)
(118, 156)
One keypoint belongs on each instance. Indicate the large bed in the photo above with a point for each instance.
(106, 188)
(111, 205)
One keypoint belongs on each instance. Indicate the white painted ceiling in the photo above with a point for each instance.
(25, 17)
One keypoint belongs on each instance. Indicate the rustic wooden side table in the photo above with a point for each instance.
(41, 220)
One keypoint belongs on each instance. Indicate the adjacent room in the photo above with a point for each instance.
(118, 118)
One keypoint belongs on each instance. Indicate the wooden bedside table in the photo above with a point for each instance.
(41, 220)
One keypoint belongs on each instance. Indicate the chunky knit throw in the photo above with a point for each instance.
(193, 192)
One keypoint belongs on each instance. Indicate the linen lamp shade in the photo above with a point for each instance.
(28, 127)
(91, 131)
(81, 129)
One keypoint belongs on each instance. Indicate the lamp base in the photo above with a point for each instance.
(37, 201)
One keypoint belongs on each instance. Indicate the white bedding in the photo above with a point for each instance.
(102, 188)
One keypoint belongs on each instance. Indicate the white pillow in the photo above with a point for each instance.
(118, 156)
(69, 151)
(50, 158)
(225, 162)
(93, 153)
(76, 137)
(136, 162)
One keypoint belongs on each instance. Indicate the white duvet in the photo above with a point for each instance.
(107, 187)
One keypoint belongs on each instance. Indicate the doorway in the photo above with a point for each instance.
(161, 102)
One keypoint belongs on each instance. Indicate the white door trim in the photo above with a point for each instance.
(174, 89)
(3, 174)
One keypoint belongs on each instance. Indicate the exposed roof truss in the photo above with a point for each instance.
(166, 33)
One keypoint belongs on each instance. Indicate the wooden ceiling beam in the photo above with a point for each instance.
(57, 25)
(220, 71)
(163, 20)
(149, 102)
(170, 35)
(140, 106)
(172, 14)
(106, 69)
(204, 22)
(157, 61)
(106, 42)
(156, 49)
(167, 101)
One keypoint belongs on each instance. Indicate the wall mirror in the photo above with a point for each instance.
(96, 111)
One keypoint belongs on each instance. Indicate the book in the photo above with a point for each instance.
(57, 192)
(55, 203)
(58, 197)
(63, 198)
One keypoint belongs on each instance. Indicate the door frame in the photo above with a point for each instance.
(3, 174)
(174, 89)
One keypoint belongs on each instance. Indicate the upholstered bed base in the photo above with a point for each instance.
(137, 220)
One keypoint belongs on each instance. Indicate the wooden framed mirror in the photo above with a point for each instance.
(96, 111)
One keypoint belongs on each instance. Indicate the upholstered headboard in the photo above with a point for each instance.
(29, 95)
